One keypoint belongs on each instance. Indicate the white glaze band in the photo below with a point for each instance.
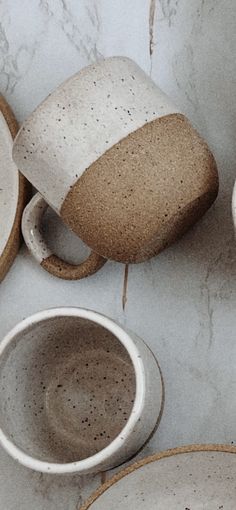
(81, 120)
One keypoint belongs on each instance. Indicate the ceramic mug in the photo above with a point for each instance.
(118, 162)
(78, 393)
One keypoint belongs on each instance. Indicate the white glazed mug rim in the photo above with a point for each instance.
(73, 77)
(114, 446)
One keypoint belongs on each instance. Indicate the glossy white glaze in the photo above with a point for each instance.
(81, 120)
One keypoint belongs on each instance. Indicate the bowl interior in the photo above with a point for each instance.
(67, 387)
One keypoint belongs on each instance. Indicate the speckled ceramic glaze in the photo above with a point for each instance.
(77, 392)
(188, 478)
(111, 153)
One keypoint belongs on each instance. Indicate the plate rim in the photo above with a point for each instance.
(155, 457)
(14, 240)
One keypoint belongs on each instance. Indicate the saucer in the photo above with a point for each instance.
(187, 478)
(13, 191)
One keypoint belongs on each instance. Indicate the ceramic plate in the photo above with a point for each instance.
(188, 478)
(13, 191)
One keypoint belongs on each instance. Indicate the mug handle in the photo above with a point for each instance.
(31, 221)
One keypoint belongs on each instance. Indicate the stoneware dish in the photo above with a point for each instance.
(187, 478)
(77, 392)
(234, 205)
(13, 191)
(117, 160)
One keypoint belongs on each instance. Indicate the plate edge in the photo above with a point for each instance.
(14, 240)
(152, 458)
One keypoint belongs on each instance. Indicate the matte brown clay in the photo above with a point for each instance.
(13, 243)
(144, 192)
(66, 271)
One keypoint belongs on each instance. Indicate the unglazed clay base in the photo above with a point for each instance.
(188, 478)
(13, 191)
(144, 192)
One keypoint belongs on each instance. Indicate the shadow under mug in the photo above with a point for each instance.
(78, 393)
(118, 162)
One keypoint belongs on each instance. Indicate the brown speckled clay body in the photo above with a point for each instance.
(144, 192)
(114, 157)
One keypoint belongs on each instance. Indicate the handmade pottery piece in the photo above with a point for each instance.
(187, 478)
(115, 158)
(77, 392)
(13, 191)
(234, 205)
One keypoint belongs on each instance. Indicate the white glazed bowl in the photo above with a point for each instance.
(77, 392)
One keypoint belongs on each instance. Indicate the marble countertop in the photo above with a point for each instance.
(182, 302)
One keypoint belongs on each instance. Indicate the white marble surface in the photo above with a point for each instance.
(183, 302)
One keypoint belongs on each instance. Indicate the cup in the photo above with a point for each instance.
(78, 393)
(118, 162)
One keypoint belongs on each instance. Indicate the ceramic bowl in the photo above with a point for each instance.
(77, 392)
(188, 478)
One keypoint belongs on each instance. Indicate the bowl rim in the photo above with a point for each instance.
(233, 205)
(224, 448)
(114, 446)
